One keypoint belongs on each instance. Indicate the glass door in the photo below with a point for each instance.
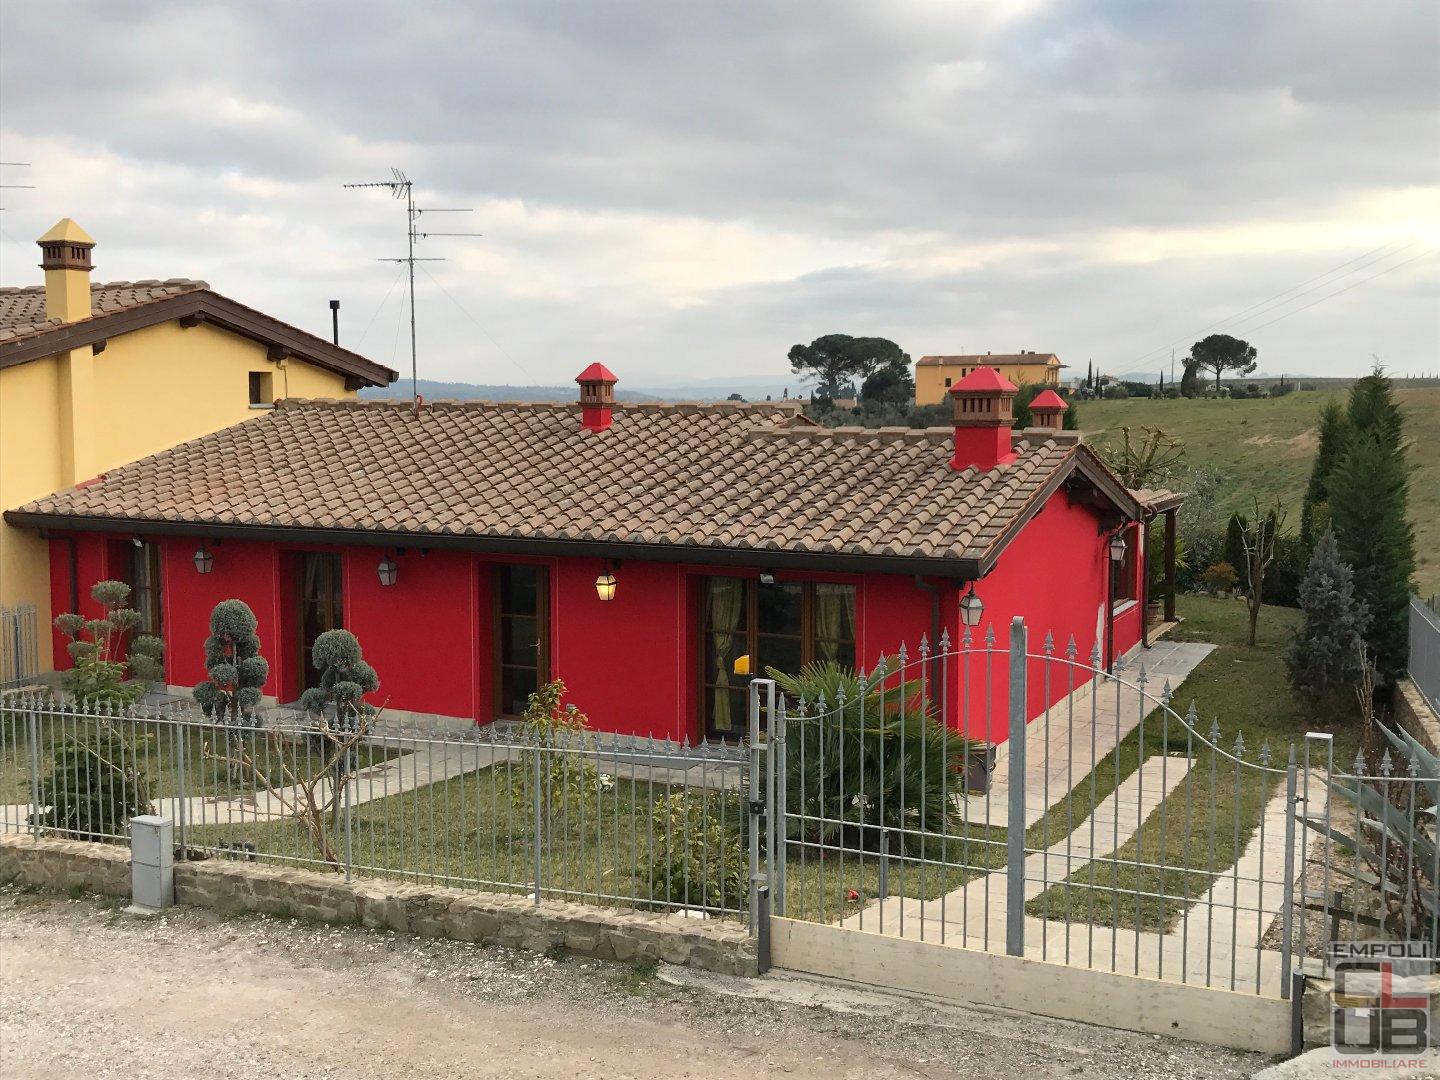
(522, 654)
(319, 586)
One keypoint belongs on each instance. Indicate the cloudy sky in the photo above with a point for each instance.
(684, 191)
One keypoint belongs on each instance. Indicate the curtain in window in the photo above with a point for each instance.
(726, 602)
(834, 619)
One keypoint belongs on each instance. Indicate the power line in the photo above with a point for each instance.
(1347, 288)
(1239, 316)
(478, 325)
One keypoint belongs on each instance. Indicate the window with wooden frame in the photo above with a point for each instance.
(521, 635)
(1122, 573)
(143, 577)
(783, 625)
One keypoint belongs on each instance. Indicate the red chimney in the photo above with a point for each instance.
(983, 418)
(597, 397)
(1048, 410)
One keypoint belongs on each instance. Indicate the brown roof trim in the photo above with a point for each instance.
(964, 569)
(201, 305)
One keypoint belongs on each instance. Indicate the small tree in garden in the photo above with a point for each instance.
(1325, 659)
(338, 704)
(1334, 429)
(1145, 459)
(568, 783)
(345, 679)
(862, 741)
(236, 670)
(95, 785)
(1258, 542)
(696, 856)
(111, 667)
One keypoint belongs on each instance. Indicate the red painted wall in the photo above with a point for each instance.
(630, 663)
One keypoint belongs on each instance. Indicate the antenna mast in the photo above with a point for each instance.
(402, 187)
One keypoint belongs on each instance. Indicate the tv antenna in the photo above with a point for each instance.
(402, 187)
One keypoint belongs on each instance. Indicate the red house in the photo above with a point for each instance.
(634, 551)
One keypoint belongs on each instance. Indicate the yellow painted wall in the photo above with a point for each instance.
(186, 383)
(149, 390)
(931, 388)
(29, 467)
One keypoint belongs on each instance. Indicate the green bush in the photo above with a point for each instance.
(569, 783)
(698, 856)
(110, 669)
(869, 757)
(94, 786)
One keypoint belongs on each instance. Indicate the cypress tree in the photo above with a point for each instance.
(1314, 510)
(1324, 658)
(1369, 494)
(1234, 551)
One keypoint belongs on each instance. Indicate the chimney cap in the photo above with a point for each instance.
(65, 231)
(1049, 401)
(596, 372)
(984, 380)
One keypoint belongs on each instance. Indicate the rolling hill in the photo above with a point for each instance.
(1268, 445)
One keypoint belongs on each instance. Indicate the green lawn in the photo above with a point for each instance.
(1206, 822)
(1268, 446)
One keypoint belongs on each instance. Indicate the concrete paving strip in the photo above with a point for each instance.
(1079, 732)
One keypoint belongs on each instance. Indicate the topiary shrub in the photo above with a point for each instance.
(345, 679)
(110, 668)
(237, 672)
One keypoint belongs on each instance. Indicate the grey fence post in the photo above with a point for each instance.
(179, 740)
(1287, 896)
(757, 803)
(1015, 826)
(538, 809)
(32, 727)
(777, 809)
(345, 803)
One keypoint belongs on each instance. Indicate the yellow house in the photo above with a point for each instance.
(94, 376)
(934, 375)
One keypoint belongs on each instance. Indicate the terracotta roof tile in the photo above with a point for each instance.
(22, 310)
(719, 476)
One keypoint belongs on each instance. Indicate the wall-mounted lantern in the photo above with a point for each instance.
(605, 584)
(1117, 546)
(204, 560)
(971, 607)
(389, 570)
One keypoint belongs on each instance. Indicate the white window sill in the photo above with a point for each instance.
(1123, 606)
(253, 405)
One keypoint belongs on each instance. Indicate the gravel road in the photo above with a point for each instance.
(86, 991)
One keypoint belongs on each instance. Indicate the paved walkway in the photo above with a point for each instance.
(1078, 732)
(1218, 941)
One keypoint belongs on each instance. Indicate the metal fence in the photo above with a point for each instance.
(1424, 665)
(580, 816)
(1114, 832)
(19, 644)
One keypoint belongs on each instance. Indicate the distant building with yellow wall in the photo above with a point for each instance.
(94, 376)
(934, 375)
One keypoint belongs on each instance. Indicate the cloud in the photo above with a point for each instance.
(704, 186)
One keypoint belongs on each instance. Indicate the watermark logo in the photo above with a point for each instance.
(1380, 1006)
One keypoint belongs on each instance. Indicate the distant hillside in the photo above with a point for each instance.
(1268, 445)
(431, 390)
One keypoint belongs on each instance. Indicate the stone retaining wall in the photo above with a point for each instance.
(234, 888)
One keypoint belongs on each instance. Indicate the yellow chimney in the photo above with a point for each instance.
(65, 258)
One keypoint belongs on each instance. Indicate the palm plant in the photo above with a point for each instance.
(866, 758)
